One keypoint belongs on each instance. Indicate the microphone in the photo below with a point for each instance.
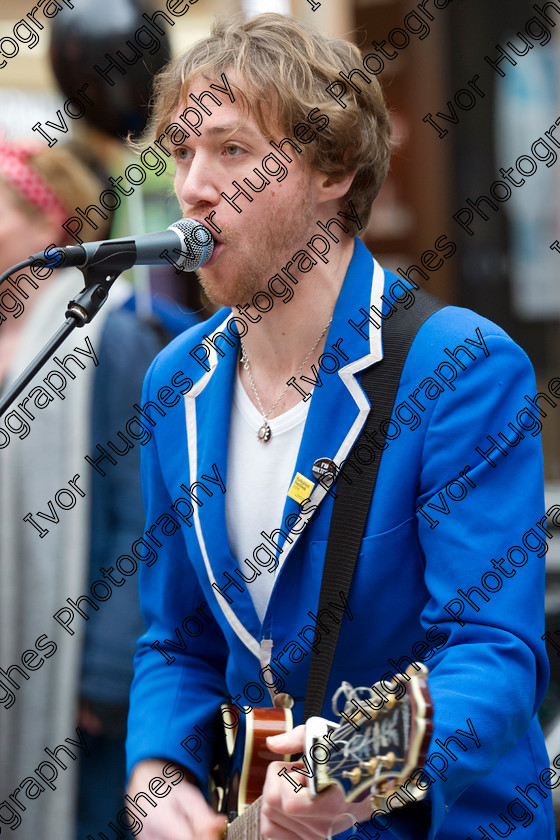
(186, 245)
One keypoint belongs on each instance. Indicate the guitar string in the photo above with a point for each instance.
(345, 728)
(241, 823)
(342, 731)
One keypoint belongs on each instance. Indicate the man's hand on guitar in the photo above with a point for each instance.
(183, 815)
(290, 815)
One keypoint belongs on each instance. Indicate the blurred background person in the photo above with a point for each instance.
(84, 681)
(40, 569)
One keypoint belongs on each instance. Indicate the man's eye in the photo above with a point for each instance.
(233, 150)
(182, 154)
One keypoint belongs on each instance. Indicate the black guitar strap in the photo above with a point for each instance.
(380, 382)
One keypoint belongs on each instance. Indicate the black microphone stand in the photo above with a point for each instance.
(109, 261)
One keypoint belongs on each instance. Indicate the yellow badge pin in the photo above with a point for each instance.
(300, 488)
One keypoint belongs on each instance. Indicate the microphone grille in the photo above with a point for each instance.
(198, 244)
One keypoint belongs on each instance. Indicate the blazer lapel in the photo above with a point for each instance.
(339, 406)
(208, 415)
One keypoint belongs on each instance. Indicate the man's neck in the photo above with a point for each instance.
(277, 345)
(284, 335)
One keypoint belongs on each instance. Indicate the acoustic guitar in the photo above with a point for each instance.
(371, 751)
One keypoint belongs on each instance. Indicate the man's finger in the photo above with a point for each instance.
(287, 742)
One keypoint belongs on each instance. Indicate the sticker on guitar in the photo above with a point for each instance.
(371, 751)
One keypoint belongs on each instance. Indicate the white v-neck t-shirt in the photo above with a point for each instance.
(258, 479)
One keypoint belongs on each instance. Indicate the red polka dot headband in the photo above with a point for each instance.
(20, 174)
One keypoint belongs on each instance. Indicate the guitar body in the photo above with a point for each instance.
(243, 758)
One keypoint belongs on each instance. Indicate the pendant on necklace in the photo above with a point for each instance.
(264, 434)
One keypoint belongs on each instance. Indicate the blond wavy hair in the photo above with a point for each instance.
(286, 66)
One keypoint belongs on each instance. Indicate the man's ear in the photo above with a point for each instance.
(331, 189)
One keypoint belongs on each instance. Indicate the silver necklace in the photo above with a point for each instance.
(264, 434)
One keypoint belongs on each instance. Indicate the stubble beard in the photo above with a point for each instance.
(249, 264)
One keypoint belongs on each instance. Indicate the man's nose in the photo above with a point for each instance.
(200, 185)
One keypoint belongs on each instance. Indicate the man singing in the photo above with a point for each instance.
(283, 175)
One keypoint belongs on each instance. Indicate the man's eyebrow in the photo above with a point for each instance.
(232, 128)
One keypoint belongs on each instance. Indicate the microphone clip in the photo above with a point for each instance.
(99, 277)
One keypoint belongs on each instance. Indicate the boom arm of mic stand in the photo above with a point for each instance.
(107, 264)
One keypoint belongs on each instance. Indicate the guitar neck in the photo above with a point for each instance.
(246, 825)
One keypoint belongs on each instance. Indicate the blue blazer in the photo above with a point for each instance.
(452, 499)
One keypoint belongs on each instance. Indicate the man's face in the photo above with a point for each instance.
(253, 245)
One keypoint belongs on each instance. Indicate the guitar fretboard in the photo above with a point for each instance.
(246, 826)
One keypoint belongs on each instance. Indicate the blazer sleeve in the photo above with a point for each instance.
(490, 677)
(177, 696)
